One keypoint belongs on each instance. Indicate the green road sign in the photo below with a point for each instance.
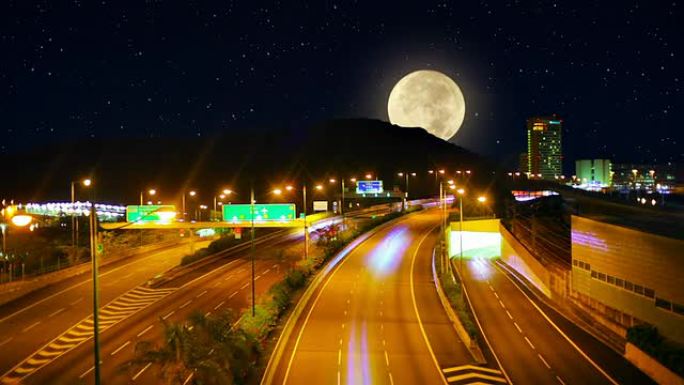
(150, 213)
(275, 212)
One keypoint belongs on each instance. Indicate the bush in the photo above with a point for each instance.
(213, 248)
(647, 338)
(295, 279)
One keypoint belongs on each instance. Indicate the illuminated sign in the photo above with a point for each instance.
(369, 187)
(320, 206)
(554, 122)
(262, 212)
(150, 213)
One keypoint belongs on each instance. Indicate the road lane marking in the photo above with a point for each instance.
(544, 361)
(415, 306)
(391, 378)
(257, 277)
(529, 343)
(185, 304)
(339, 378)
(470, 367)
(386, 358)
(517, 327)
(141, 371)
(244, 286)
(168, 315)
(201, 294)
(187, 380)
(502, 305)
(120, 348)
(565, 336)
(56, 312)
(559, 380)
(509, 314)
(75, 302)
(6, 341)
(219, 305)
(339, 356)
(232, 295)
(146, 330)
(265, 271)
(496, 295)
(30, 327)
(86, 372)
(127, 275)
(207, 314)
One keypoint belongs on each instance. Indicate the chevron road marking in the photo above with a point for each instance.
(471, 375)
(114, 312)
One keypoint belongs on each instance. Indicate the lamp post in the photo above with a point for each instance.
(74, 220)
(151, 192)
(404, 204)
(224, 193)
(96, 294)
(192, 193)
(251, 247)
(460, 228)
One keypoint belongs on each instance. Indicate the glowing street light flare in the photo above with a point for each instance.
(279, 191)
(460, 191)
(289, 188)
(369, 176)
(442, 171)
(481, 199)
(227, 191)
(21, 220)
(332, 180)
(353, 180)
(152, 191)
(319, 187)
(192, 193)
(87, 182)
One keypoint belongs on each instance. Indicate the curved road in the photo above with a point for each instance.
(377, 318)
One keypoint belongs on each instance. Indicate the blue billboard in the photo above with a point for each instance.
(369, 187)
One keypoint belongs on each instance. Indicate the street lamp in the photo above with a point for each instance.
(224, 193)
(404, 204)
(150, 192)
(192, 193)
(74, 220)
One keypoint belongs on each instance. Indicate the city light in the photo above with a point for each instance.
(227, 191)
(460, 191)
(319, 187)
(87, 182)
(288, 188)
(21, 220)
(192, 193)
(279, 191)
(481, 199)
(152, 191)
(332, 180)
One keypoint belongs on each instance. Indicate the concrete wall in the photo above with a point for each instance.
(651, 367)
(518, 257)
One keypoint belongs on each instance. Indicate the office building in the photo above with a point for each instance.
(544, 154)
(593, 173)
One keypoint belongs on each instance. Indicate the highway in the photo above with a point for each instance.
(55, 323)
(135, 316)
(30, 321)
(376, 319)
(535, 344)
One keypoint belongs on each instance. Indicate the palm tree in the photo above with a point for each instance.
(204, 350)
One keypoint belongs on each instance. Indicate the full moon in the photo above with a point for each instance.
(427, 99)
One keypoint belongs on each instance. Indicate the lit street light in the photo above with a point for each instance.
(192, 193)
(74, 220)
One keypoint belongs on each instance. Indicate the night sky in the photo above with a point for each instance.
(613, 70)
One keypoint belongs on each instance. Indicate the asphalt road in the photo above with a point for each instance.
(29, 322)
(535, 344)
(377, 318)
(225, 284)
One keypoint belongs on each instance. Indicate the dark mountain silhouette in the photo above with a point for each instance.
(265, 157)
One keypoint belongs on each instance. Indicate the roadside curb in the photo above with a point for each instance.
(471, 344)
(304, 300)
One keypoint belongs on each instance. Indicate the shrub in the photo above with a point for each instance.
(647, 338)
(295, 279)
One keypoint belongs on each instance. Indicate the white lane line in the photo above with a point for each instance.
(391, 378)
(265, 271)
(496, 295)
(127, 275)
(185, 304)
(6, 341)
(244, 286)
(141, 371)
(207, 314)
(257, 277)
(168, 315)
(86, 372)
(232, 295)
(219, 305)
(386, 358)
(147, 329)
(502, 305)
(509, 314)
(228, 277)
(544, 361)
(275, 266)
(30, 327)
(529, 343)
(120, 348)
(559, 380)
(56, 312)
(201, 294)
(517, 327)
(339, 357)
(339, 378)
(565, 336)
(342, 325)
(415, 306)
(187, 380)
(491, 288)
(75, 302)
(340, 341)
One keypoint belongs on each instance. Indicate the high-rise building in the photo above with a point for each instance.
(523, 163)
(593, 173)
(544, 154)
